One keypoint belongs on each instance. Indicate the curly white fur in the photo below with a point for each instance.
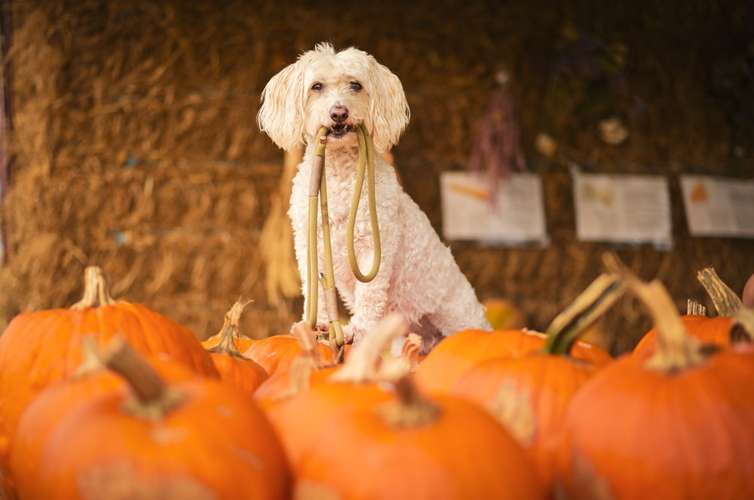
(418, 276)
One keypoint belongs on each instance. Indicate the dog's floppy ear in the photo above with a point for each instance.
(388, 108)
(281, 115)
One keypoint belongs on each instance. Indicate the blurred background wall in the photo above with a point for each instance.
(136, 146)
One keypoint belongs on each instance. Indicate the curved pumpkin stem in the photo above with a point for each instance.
(152, 397)
(676, 349)
(231, 331)
(744, 320)
(411, 349)
(411, 409)
(95, 290)
(588, 307)
(725, 300)
(362, 364)
(694, 308)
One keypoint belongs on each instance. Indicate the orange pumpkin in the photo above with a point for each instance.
(674, 425)
(335, 391)
(407, 447)
(448, 361)
(307, 370)
(715, 330)
(182, 440)
(280, 351)
(41, 417)
(530, 394)
(233, 366)
(40, 348)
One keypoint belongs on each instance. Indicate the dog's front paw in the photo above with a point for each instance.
(322, 328)
(352, 334)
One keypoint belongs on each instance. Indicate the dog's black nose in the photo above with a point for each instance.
(339, 113)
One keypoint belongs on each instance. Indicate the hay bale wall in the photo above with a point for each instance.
(137, 149)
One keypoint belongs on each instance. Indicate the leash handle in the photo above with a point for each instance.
(366, 163)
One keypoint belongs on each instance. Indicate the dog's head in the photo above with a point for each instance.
(338, 90)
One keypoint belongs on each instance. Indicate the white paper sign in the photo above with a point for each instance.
(517, 216)
(719, 207)
(622, 208)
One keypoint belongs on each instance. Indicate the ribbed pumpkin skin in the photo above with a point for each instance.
(279, 385)
(299, 420)
(714, 330)
(538, 389)
(245, 374)
(451, 358)
(637, 433)
(463, 454)
(279, 351)
(216, 444)
(53, 404)
(40, 348)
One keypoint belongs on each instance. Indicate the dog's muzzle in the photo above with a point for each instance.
(339, 117)
(338, 130)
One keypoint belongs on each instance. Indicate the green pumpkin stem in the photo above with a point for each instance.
(152, 397)
(676, 349)
(231, 331)
(95, 290)
(725, 300)
(588, 307)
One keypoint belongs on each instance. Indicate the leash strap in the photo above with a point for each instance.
(318, 192)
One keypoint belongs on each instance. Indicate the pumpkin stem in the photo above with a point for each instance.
(362, 364)
(95, 290)
(676, 349)
(411, 409)
(411, 350)
(725, 300)
(90, 361)
(152, 397)
(231, 332)
(743, 325)
(694, 308)
(588, 307)
(300, 372)
(307, 339)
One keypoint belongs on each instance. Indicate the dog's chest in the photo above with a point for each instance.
(339, 198)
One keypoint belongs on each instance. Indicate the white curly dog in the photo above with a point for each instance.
(418, 276)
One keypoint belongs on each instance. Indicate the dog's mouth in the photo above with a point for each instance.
(340, 129)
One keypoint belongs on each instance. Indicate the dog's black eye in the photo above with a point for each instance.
(317, 86)
(355, 86)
